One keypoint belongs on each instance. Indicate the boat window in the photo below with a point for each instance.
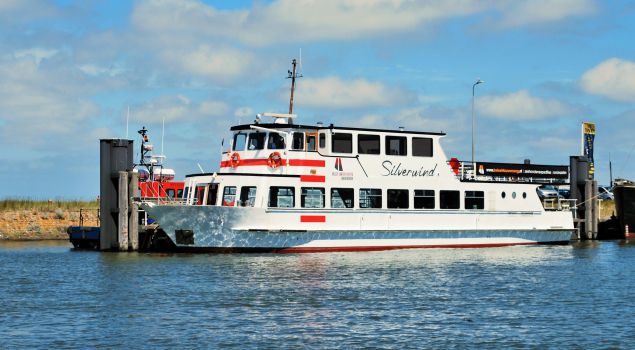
(396, 146)
(310, 142)
(397, 199)
(342, 143)
(247, 196)
(179, 193)
(424, 199)
(298, 141)
(200, 194)
(212, 193)
(170, 193)
(281, 197)
(256, 140)
(276, 141)
(503, 194)
(185, 193)
(229, 196)
(342, 197)
(450, 199)
(322, 140)
(474, 200)
(240, 139)
(367, 144)
(312, 197)
(422, 147)
(370, 198)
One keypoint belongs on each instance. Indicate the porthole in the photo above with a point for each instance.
(514, 195)
(503, 194)
(524, 195)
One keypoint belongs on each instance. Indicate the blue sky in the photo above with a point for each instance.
(70, 70)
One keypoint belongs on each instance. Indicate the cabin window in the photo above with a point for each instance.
(450, 199)
(298, 141)
(342, 197)
(281, 197)
(229, 196)
(422, 147)
(370, 198)
(312, 197)
(474, 200)
(396, 146)
(397, 199)
(367, 144)
(169, 193)
(179, 193)
(322, 140)
(240, 140)
(276, 141)
(310, 142)
(256, 141)
(200, 194)
(424, 199)
(342, 143)
(247, 196)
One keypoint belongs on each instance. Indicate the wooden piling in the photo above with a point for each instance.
(595, 219)
(588, 209)
(133, 222)
(122, 229)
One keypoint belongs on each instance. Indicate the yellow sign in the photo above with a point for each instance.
(588, 128)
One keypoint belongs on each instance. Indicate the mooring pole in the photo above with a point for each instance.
(133, 223)
(596, 209)
(122, 230)
(588, 209)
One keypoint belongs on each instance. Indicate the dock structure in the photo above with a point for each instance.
(117, 186)
(584, 189)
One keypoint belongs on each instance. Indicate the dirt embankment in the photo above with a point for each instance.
(41, 223)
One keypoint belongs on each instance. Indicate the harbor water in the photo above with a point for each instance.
(571, 296)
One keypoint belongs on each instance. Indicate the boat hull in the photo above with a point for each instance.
(223, 229)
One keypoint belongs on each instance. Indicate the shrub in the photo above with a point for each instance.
(59, 214)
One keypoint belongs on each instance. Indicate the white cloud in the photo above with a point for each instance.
(333, 92)
(521, 106)
(207, 61)
(242, 112)
(521, 13)
(613, 78)
(176, 108)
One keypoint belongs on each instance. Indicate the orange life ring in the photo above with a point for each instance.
(234, 160)
(274, 160)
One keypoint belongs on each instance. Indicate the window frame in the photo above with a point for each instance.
(271, 141)
(352, 198)
(278, 196)
(473, 196)
(303, 197)
(368, 198)
(245, 198)
(401, 195)
(234, 148)
(335, 138)
(252, 136)
(387, 147)
(423, 195)
(415, 150)
(225, 202)
(294, 139)
(443, 199)
(363, 150)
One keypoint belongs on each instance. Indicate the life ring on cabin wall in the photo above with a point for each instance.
(274, 160)
(234, 160)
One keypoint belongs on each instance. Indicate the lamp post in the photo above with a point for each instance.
(478, 81)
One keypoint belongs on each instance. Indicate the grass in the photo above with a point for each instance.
(50, 205)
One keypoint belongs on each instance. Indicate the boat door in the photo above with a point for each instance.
(212, 193)
(311, 141)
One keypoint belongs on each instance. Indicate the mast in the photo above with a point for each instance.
(293, 75)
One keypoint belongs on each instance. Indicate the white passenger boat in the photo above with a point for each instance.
(287, 187)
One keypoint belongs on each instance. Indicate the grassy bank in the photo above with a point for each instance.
(25, 219)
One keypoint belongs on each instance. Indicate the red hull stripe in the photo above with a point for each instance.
(379, 248)
(260, 162)
(312, 218)
(312, 178)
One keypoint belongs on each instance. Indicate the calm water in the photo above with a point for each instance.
(578, 296)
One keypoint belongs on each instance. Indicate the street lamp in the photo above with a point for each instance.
(478, 81)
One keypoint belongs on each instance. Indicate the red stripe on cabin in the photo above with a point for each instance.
(312, 218)
(307, 162)
(312, 178)
(263, 161)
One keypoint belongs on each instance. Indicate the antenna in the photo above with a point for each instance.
(201, 168)
(292, 75)
(610, 171)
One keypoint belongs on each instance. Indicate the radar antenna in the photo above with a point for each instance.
(293, 75)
